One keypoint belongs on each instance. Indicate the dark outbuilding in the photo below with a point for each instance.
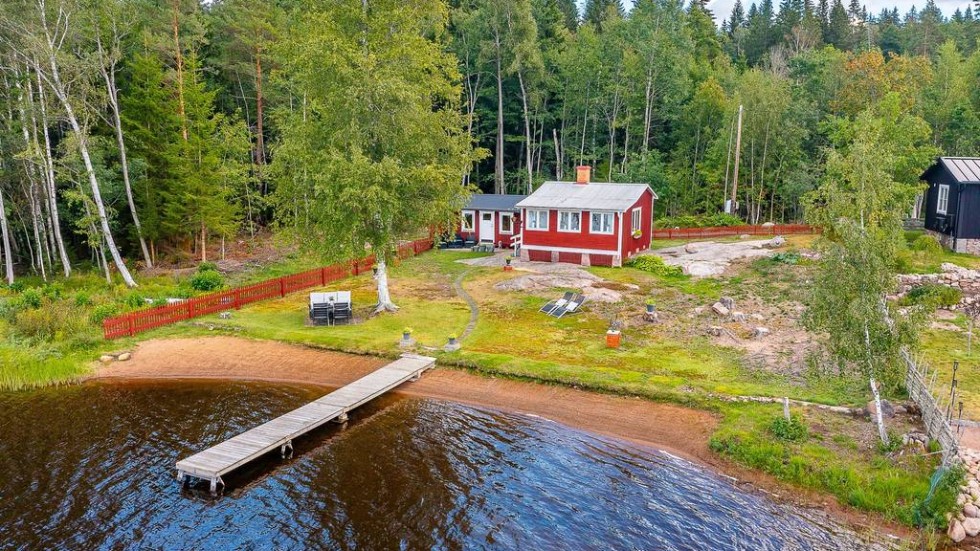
(952, 203)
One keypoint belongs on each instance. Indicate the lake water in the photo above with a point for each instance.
(92, 467)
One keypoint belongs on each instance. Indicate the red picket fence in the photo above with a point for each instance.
(127, 325)
(725, 231)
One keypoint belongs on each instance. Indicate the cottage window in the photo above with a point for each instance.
(537, 220)
(943, 201)
(506, 222)
(638, 219)
(602, 222)
(469, 219)
(569, 221)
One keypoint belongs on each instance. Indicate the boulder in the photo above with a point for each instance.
(727, 302)
(971, 526)
(124, 357)
(760, 332)
(691, 248)
(776, 242)
(887, 411)
(956, 531)
(739, 317)
(714, 331)
(970, 511)
(106, 359)
(720, 309)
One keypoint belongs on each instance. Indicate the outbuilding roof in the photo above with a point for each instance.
(966, 170)
(591, 196)
(491, 201)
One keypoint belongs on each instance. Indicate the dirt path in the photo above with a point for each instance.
(678, 430)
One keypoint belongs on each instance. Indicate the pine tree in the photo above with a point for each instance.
(737, 18)
(839, 28)
(598, 11)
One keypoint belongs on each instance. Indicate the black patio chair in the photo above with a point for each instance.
(320, 314)
(342, 313)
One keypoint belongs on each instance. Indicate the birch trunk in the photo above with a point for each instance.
(384, 295)
(76, 127)
(527, 132)
(8, 257)
(109, 75)
(879, 420)
(498, 172)
(52, 189)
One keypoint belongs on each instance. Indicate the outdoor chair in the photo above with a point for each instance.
(554, 304)
(342, 308)
(570, 307)
(320, 314)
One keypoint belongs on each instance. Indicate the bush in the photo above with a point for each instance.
(207, 280)
(927, 243)
(135, 300)
(103, 311)
(654, 265)
(207, 267)
(31, 298)
(52, 323)
(933, 295)
(82, 299)
(792, 430)
(789, 257)
(53, 291)
(699, 221)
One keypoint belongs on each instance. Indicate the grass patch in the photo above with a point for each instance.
(899, 488)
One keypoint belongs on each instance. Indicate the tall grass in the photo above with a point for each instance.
(33, 367)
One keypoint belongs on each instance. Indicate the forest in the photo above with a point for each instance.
(142, 132)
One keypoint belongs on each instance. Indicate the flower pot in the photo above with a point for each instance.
(406, 336)
(651, 308)
(508, 268)
(453, 341)
(612, 339)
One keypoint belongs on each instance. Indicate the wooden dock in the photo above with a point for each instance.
(279, 433)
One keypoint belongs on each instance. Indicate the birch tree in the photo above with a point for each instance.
(383, 138)
(860, 204)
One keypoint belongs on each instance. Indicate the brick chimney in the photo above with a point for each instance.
(583, 174)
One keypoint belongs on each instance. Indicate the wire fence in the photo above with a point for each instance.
(936, 405)
(726, 231)
(129, 324)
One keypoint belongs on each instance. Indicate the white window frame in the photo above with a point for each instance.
(942, 199)
(509, 216)
(569, 213)
(612, 223)
(472, 227)
(638, 219)
(535, 216)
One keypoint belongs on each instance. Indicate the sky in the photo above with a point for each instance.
(723, 8)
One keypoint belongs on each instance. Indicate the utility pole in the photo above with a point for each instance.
(731, 206)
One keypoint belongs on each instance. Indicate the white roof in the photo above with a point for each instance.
(591, 196)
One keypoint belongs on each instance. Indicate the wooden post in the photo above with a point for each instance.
(132, 327)
(282, 287)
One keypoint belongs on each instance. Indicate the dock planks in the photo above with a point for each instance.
(279, 433)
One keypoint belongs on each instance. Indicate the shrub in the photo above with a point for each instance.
(103, 311)
(927, 243)
(788, 257)
(207, 267)
(207, 280)
(699, 221)
(54, 322)
(53, 291)
(792, 430)
(135, 300)
(82, 299)
(934, 295)
(31, 298)
(654, 265)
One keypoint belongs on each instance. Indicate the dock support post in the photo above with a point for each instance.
(342, 418)
(214, 486)
(416, 377)
(287, 446)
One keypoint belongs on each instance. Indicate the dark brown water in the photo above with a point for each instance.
(92, 467)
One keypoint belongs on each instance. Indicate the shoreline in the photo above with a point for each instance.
(678, 430)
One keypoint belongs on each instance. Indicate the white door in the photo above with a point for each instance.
(486, 226)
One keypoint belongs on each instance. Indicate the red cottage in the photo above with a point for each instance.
(492, 219)
(588, 223)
